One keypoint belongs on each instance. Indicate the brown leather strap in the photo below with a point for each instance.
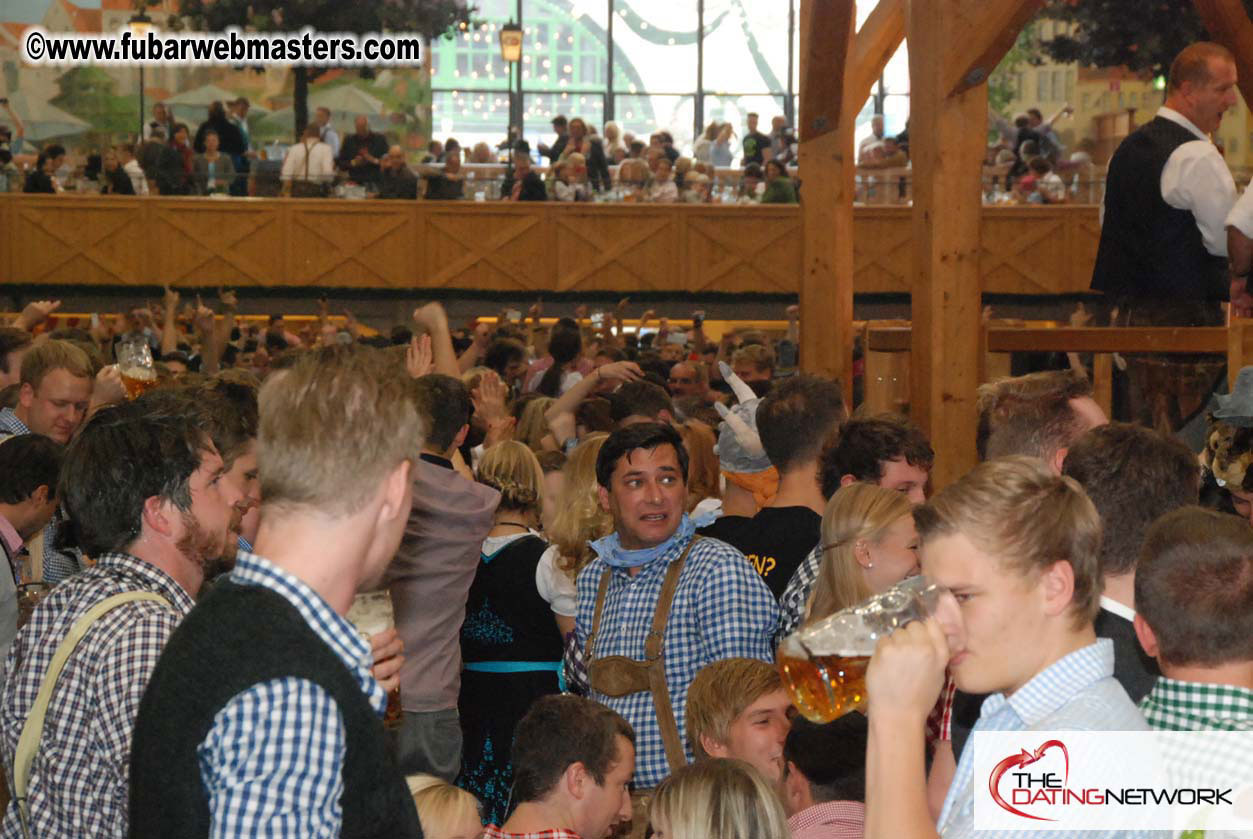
(601, 592)
(676, 755)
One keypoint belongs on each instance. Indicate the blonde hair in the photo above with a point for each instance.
(859, 512)
(441, 806)
(720, 692)
(42, 359)
(702, 471)
(333, 426)
(580, 517)
(532, 425)
(1017, 510)
(719, 799)
(757, 355)
(512, 468)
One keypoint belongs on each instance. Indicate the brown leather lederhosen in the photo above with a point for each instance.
(619, 675)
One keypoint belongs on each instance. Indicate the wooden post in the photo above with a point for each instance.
(953, 46)
(828, 28)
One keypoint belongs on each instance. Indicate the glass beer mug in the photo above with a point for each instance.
(134, 362)
(824, 664)
(371, 613)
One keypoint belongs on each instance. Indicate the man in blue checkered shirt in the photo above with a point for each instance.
(721, 607)
(264, 716)
(1017, 547)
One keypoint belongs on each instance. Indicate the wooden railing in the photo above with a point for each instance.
(516, 248)
(887, 352)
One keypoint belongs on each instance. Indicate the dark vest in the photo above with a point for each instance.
(506, 619)
(237, 637)
(1148, 248)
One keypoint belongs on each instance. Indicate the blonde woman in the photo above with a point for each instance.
(445, 811)
(703, 148)
(704, 498)
(579, 518)
(613, 139)
(519, 608)
(869, 544)
(532, 426)
(717, 799)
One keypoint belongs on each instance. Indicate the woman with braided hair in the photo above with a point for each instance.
(519, 608)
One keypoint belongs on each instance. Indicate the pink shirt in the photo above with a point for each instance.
(11, 540)
(829, 820)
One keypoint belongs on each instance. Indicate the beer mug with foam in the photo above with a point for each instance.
(824, 664)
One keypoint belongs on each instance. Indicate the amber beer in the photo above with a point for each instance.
(824, 687)
(824, 664)
(372, 613)
(137, 380)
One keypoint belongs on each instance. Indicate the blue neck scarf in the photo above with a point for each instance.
(615, 556)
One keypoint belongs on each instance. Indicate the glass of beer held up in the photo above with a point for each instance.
(824, 664)
(372, 613)
(134, 363)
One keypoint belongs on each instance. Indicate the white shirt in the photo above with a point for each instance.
(1241, 215)
(1109, 604)
(136, 174)
(321, 163)
(1196, 178)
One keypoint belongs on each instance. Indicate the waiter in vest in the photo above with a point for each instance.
(1163, 253)
(659, 602)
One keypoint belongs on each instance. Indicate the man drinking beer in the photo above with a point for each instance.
(1017, 546)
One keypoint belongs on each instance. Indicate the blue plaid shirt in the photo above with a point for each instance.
(57, 565)
(1077, 692)
(722, 609)
(273, 762)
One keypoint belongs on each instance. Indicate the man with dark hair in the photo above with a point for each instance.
(143, 486)
(640, 402)
(886, 450)
(30, 466)
(263, 717)
(756, 144)
(572, 761)
(507, 356)
(797, 420)
(1038, 415)
(1134, 476)
(824, 778)
(430, 580)
(1194, 588)
(561, 129)
(14, 343)
(658, 603)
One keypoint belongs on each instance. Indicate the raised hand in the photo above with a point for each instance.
(419, 359)
(35, 313)
(489, 398)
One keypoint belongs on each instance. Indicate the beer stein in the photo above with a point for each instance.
(823, 664)
(134, 363)
(371, 613)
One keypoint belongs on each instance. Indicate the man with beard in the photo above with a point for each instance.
(145, 490)
(262, 716)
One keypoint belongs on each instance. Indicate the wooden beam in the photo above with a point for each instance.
(947, 157)
(1228, 24)
(827, 159)
(877, 39)
(1006, 339)
(988, 31)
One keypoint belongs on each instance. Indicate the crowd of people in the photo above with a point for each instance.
(219, 157)
(593, 541)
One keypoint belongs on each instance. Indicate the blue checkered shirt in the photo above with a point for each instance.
(272, 764)
(722, 609)
(79, 778)
(1077, 692)
(57, 564)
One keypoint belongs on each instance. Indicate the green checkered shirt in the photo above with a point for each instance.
(1195, 706)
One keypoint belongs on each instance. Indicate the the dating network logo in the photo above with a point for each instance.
(1029, 788)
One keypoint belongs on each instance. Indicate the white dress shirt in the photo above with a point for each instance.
(321, 164)
(1196, 178)
(136, 174)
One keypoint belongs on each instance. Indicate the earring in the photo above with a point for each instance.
(870, 565)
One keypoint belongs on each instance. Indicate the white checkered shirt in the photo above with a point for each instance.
(273, 761)
(722, 609)
(79, 778)
(1077, 692)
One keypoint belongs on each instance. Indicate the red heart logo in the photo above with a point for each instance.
(1024, 758)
